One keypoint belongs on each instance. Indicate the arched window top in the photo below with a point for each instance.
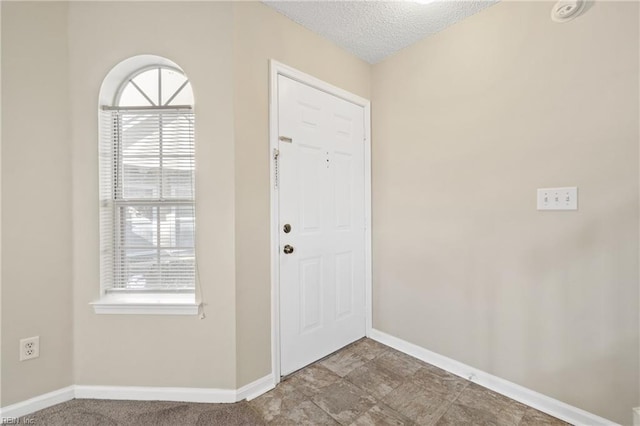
(148, 82)
(155, 86)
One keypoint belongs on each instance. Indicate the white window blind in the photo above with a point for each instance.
(147, 199)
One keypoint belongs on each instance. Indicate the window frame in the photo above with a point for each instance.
(118, 300)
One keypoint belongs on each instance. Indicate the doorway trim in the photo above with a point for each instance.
(275, 69)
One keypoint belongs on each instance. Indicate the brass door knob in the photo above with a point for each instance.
(288, 249)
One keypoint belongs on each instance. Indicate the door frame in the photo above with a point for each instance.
(275, 69)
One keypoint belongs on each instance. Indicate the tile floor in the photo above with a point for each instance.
(368, 383)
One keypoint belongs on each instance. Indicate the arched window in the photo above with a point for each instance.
(147, 181)
(155, 87)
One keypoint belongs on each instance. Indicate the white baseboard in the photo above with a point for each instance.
(37, 403)
(207, 395)
(636, 416)
(256, 388)
(147, 393)
(553, 407)
(139, 393)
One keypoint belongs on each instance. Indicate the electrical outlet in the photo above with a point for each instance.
(29, 348)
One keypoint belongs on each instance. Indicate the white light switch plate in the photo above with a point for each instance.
(565, 198)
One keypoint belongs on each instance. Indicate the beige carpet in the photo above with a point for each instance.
(91, 412)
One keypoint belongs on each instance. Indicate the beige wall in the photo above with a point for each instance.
(146, 350)
(36, 199)
(261, 34)
(466, 125)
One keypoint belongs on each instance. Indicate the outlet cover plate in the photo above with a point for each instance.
(29, 348)
(564, 198)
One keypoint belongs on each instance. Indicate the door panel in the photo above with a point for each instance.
(310, 195)
(321, 195)
(311, 297)
(344, 284)
(343, 202)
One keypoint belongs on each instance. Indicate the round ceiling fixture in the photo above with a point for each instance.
(566, 10)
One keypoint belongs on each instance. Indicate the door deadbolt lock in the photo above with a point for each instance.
(286, 228)
(288, 249)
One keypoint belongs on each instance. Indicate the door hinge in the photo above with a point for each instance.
(276, 171)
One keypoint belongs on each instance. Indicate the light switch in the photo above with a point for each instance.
(565, 198)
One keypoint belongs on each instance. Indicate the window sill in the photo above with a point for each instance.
(147, 304)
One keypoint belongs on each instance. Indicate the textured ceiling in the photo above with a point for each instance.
(373, 30)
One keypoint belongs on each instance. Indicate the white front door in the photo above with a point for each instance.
(322, 220)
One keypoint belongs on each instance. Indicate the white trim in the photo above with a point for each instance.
(146, 308)
(256, 388)
(636, 416)
(147, 304)
(277, 68)
(150, 393)
(274, 211)
(553, 407)
(37, 403)
(368, 263)
(139, 393)
(145, 393)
